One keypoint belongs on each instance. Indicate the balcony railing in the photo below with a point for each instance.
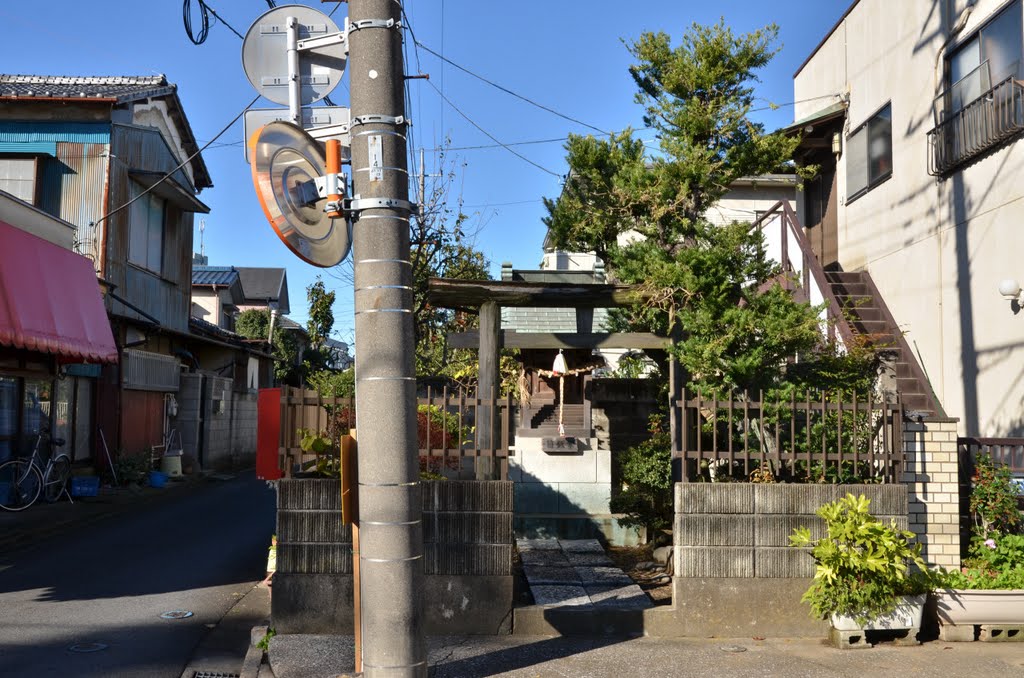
(978, 127)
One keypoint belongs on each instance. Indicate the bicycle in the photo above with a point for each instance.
(23, 480)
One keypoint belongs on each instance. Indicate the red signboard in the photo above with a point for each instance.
(268, 434)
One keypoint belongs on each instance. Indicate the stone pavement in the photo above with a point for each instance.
(577, 572)
(298, 656)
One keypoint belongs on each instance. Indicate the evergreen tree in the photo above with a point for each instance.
(645, 213)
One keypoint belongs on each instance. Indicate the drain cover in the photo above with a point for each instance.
(84, 648)
(176, 614)
(733, 648)
(214, 674)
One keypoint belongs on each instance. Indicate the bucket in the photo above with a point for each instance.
(170, 464)
(157, 479)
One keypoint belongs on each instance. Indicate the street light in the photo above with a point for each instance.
(1010, 289)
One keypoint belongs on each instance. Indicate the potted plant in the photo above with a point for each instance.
(989, 589)
(865, 578)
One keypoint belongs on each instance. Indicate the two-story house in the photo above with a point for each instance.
(913, 112)
(117, 158)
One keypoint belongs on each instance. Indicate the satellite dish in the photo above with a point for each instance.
(265, 54)
(286, 163)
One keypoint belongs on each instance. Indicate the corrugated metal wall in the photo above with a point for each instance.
(73, 187)
(165, 297)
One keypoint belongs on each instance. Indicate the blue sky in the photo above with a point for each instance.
(567, 55)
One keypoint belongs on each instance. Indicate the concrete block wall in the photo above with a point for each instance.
(735, 572)
(931, 474)
(565, 496)
(187, 421)
(467, 544)
(243, 428)
(217, 424)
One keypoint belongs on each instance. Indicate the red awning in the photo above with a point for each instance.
(50, 300)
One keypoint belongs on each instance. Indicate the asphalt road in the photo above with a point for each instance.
(110, 582)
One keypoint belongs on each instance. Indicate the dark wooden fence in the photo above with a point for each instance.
(827, 437)
(451, 425)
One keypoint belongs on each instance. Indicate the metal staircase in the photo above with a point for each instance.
(852, 307)
(872, 322)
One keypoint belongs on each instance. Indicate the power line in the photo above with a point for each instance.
(491, 136)
(510, 92)
(182, 164)
(445, 149)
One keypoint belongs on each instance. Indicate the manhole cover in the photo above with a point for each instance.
(214, 674)
(84, 648)
(176, 614)
(733, 648)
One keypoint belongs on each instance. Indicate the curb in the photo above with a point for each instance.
(254, 655)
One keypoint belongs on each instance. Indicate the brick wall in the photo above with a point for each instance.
(930, 472)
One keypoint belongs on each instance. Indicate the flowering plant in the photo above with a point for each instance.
(995, 563)
(996, 559)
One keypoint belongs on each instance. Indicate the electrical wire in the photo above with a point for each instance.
(511, 93)
(182, 164)
(204, 18)
(491, 136)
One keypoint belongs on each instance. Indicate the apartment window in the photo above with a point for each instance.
(146, 237)
(982, 107)
(869, 154)
(990, 56)
(19, 177)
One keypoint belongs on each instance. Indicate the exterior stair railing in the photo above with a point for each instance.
(802, 273)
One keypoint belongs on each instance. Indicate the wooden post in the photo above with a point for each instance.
(487, 385)
(356, 615)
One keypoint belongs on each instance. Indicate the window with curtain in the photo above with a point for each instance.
(82, 448)
(869, 154)
(8, 417)
(990, 56)
(18, 177)
(146, 230)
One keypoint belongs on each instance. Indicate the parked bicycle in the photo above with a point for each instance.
(23, 480)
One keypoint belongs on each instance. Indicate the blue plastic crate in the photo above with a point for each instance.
(85, 486)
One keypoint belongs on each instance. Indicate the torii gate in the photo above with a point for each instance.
(489, 296)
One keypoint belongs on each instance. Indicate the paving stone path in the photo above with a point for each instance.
(577, 572)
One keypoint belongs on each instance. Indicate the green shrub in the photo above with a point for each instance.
(993, 498)
(646, 471)
(863, 564)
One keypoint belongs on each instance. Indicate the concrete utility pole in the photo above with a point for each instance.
(390, 531)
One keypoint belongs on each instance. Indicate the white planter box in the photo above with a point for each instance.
(907, 615)
(983, 606)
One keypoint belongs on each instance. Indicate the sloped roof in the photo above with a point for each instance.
(118, 89)
(260, 285)
(214, 275)
(554, 320)
(122, 88)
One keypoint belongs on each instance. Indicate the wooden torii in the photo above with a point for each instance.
(487, 297)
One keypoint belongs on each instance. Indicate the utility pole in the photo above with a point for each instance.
(390, 529)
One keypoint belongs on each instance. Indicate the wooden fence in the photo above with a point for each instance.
(827, 437)
(451, 426)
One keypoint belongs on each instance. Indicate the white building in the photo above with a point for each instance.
(913, 110)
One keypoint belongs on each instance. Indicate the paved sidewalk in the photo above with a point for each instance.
(305, 656)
